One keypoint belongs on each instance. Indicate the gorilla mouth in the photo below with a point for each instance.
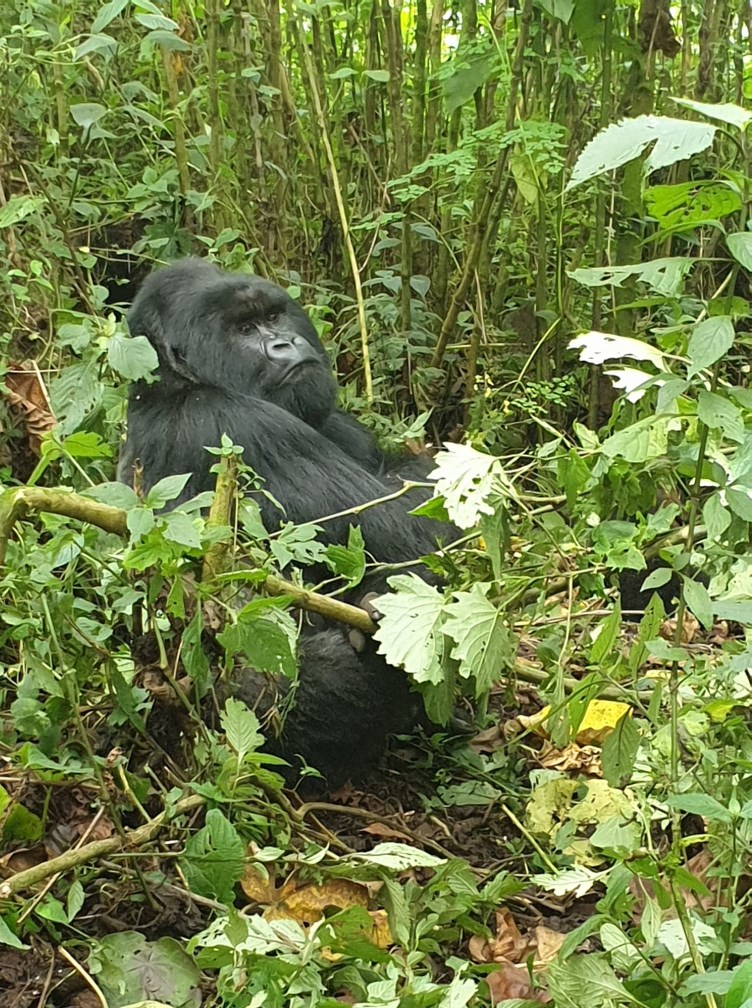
(294, 367)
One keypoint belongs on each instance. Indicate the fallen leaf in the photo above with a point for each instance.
(511, 983)
(27, 391)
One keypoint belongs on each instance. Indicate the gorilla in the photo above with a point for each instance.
(238, 356)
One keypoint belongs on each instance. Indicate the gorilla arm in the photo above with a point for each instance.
(307, 473)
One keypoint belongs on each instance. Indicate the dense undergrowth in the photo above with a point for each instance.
(476, 230)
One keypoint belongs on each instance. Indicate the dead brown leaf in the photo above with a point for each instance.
(27, 391)
(507, 945)
(586, 759)
(386, 832)
(512, 982)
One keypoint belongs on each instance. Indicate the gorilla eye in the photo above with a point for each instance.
(246, 328)
(272, 317)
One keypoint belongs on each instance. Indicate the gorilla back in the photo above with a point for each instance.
(238, 356)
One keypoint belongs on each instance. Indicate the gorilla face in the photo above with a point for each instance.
(237, 333)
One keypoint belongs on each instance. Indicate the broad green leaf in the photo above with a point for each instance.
(739, 499)
(214, 859)
(560, 10)
(108, 12)
(708, 342)
(596, 347)
(96, 44)
(469, 71)
(155, 22)
(725, 112)
(241, 728)
(715, 517)
(467, 479)
(166, 489)
(182, 529)
(115, 494)
(381, 76)
(267, 640)
(740, 990)
(697, 598)
(165, 40)
(647, 439)
(740, 246)
(657, 579)
(18, 208)
(704, 805)
(140, 522)
(664, 276)
(719, 412)
(671, 140)
(342, 73)
(86, 114)
(586, 981)
(132, 970)
(194, 657)
(409, 631)
(689, 205)
(348, 561)
(7, 937)
(397, 857)
(133, 357)
(482, 643)
(619, 751)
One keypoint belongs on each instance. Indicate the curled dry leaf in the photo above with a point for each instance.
(510, 983)
(507, 945)
(585, 759)
(690, 628)
(27, 391)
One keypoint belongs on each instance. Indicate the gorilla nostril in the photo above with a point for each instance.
(280, 348)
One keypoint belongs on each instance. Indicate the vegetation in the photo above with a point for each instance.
(482, 204)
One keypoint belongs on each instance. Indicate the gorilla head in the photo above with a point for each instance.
(236, 333)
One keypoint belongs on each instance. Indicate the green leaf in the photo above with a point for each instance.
(398, 857)
(731, 609)
(467, 479)
(157, 21)
(482, 643)
(702, 805)
(664, 276)
(7, 937)
(115, 494)
(469, 71)
(194, 657)
(708, 342)
(182, 529)
(725, 112)
(140, 522)
(697, 598)
(586, 981)
(267, 640)
(740, 501)
(619, 751)
(671, 140)
(740, 990)
(96, 44)
(657, 579)
(740, 246)
(409, 631)
(381, 76)
(715, 517)
(133, 971)
(86, 114)
(560, 10)
(645, 440)
(166, 40)
(133, 357)
(719, 412)
(689, 205)
(108, 13)
(18, 208)
(241, 728)
(166, 489)
(348, 561)
(214, 859)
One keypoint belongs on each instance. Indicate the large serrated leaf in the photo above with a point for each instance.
(409, 629)
(482, 643)
(672, 140)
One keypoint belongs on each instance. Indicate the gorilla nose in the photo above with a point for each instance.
(282, 350)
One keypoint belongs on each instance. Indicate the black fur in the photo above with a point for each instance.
(238, 356)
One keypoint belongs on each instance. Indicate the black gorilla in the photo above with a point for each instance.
(238, 356)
